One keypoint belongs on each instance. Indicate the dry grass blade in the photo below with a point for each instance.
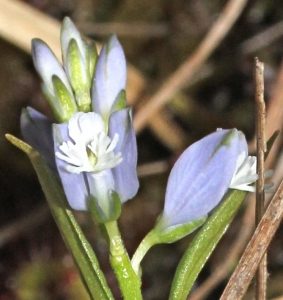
(243, 274)
(273, 122)
(262, 39)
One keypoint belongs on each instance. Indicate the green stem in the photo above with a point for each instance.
(160, 234)
(83, 255)
(129, 282)
(143, 248)
(203, 244)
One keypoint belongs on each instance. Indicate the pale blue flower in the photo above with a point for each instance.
(202, 175)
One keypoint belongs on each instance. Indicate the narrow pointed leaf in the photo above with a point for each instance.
(75, 240)
(92, 56)
(65, 107)
(203, 244)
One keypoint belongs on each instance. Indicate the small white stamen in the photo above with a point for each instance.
(245, 175)
(86, 155)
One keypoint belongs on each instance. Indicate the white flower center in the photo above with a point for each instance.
(245, 175)
(92, 150)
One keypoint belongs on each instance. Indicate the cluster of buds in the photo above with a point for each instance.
(93, 146)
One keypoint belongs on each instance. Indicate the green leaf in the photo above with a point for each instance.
(120, 101)
(82, 253)
(160, 236)
(203, 244)
(77, 71)
(91, 57)
(175, 233)
(97, 213)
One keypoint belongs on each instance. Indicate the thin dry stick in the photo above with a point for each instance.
(262, 39)
(273, 122)
(178, 80)
(154, 168)
(261, 276)
(243, 274)
(169, 132)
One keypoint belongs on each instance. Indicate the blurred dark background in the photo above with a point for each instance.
(157, 37)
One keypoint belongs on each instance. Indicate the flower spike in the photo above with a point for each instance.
(94, 145)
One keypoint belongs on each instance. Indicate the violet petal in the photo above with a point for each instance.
(37, 131)
(110, 77)
(74, 185)
(125, 174)
(48, 65)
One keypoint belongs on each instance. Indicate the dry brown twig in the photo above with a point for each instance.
(261, 276)
(274, 121)
(256, 248)
(262, 39)
(251, 45)
(247, 226)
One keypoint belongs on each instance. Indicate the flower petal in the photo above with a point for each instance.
(125, 174)
(85, 126)
(68, 32)
(201, 176)
(74, 185)
(100, 185)
(110, 77)
(36, 130)
(48, 65)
